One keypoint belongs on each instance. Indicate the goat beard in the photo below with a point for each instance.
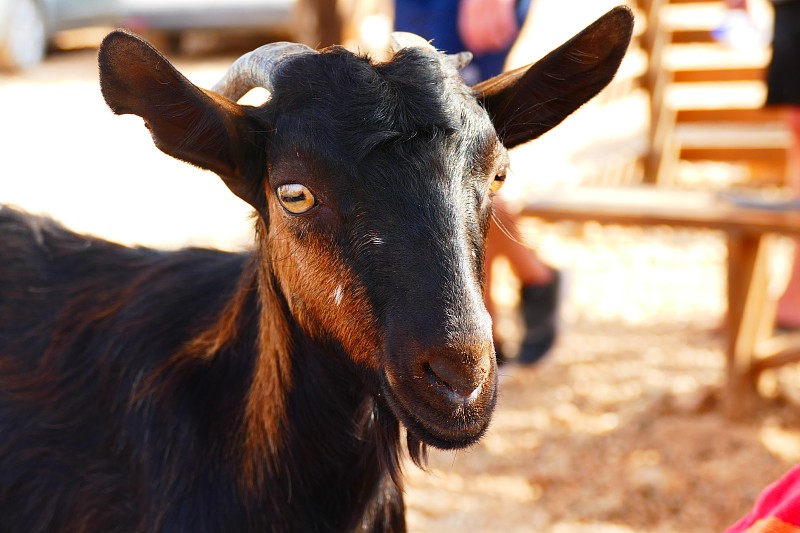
(379, 420)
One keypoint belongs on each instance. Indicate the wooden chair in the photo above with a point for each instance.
(707, 98)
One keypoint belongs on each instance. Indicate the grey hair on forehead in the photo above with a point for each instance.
(402, 39)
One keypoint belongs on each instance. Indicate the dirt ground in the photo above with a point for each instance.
(615, 432)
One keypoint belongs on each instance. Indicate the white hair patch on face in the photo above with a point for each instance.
(375, 240)
(338, 294)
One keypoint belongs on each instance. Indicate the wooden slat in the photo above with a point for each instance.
(757, 115)
(734, 153)
(706, 75)
(714, 56)
(692, 16)
(716, 95)
(755, 134)
(652, 206)
(691, 36)
(734, 135)
(777, 351)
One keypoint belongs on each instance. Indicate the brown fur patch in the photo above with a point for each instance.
(323, 293)
(206, 344)
(265, 412)
(226, 328)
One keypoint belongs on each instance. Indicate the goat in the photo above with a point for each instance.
(200, 390)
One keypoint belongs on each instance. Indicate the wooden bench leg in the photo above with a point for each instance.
(747, 296)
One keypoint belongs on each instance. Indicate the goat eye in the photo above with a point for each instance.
(498, 181)
(295, 198)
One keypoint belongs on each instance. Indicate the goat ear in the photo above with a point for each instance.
(187, 122)
(527, 102)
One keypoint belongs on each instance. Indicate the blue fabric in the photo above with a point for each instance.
(438, 20)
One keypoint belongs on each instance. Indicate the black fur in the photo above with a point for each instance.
(75, 428)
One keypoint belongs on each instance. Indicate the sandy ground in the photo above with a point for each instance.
(613, 433)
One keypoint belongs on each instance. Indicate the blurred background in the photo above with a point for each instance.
(619, 430)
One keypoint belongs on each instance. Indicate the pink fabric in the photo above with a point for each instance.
(776, 509)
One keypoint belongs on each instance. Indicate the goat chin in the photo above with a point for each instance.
(436, 420)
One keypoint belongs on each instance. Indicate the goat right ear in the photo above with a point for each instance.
(525, 103)
(187, 122)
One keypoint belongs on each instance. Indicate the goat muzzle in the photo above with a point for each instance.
(444, 393)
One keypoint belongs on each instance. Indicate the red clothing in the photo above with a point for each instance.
(777, 509)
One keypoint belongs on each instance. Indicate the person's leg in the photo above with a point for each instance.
(524, 262)
(788, 313)
(505, 241)
(539, 296)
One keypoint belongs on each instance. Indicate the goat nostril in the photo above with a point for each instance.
(458, 383)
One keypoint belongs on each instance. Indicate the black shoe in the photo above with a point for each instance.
(540, 314)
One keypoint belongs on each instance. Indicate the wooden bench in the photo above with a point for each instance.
(750, 346)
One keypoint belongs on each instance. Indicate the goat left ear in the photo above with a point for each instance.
(527, 102)
(187, 122)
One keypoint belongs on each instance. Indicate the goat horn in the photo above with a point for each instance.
(459, 60)
(404, 39)
(255, 69)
